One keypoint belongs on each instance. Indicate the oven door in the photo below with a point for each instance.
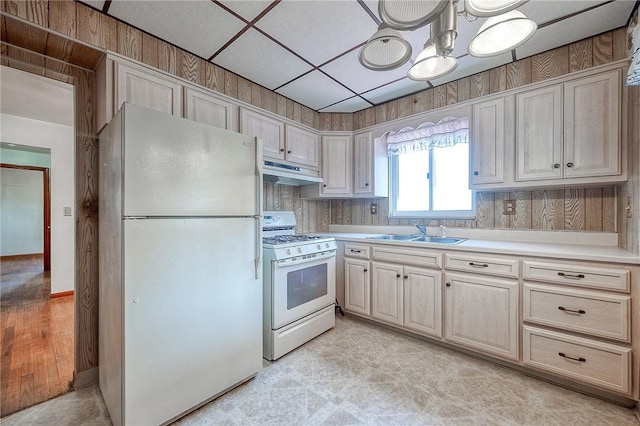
(302, 286)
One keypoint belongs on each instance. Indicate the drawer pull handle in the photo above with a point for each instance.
(571, 358)
(578, 276)
(572, 311)
(356, 251)
(478, 265)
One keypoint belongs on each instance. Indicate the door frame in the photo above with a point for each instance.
(47, 207)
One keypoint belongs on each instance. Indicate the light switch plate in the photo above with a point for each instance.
(67, 211)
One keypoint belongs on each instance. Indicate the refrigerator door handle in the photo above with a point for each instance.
(258, 259)
(259, 164)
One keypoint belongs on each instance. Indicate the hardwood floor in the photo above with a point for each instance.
(37, 336)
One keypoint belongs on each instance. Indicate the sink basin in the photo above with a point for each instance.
(419, 238)
(394, 237)
(441, 240)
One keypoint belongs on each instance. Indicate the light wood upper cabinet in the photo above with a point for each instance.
(482, 313)
(592, 125)
(336, 165)
(488, 142)
(539, 141)
(370, 167)
(302, 146)
(269, 130)
(570, 130)
(208, 109)
(148, 89)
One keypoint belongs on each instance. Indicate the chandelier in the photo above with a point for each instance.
(504, 30)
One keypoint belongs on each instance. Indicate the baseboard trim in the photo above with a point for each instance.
(85, 378)
(61, 294)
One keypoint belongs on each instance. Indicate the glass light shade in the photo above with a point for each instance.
(385, 50)
(484, 8)
(501, 33)
(429, 65)
(409, 14)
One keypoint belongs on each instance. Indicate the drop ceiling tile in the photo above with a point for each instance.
(248, 9)
(199, 26)
(315, 90)
(256, 58)
(348, 105)
(468, 65)
(98, 4)
(596, 21)
(318, 30)
(560, 8)
(348, 71)
(395, 90)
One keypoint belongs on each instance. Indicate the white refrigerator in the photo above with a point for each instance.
(180, 319)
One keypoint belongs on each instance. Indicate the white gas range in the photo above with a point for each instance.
(299, 285)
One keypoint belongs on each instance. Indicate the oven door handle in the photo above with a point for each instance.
(298, 260)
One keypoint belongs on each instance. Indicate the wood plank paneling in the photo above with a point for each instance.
(464, 91)
(150, 50)
(549, 64)
(213, 77)
(593, 209)
(440, 96)
(485, 210)
(522, 218)
(129, 41)
(189, 69)
(268, 100)
(62, 17)
(603, 48)
(574, 209)
(547, 210)
(167, 57)
(244, 90)
(36, 11)
(480, 84)
(581, 55)
(230, 84)
(619, 44)
(404, 107)
(256, 95)
(281, 105)
(518, 73)
(498, 79)
(423, 101)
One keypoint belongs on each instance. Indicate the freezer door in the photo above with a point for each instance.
(193, 313)
(178, 167)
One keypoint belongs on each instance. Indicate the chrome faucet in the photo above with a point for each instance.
(422, 228)
(443, 231)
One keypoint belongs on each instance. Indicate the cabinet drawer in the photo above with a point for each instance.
(357, 250)
(408, 256)
(600, 364)
(482, 265)
(599, 314)
(575, 275)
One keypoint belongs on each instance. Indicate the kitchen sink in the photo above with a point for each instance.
(441, 240)
(418, 238)
(394, 237)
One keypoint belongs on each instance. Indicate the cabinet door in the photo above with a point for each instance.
(336, 165)
(356, 286)
(302, 146)
(363, 162)
(423, 300)
(592, 126)
(482, 313)
(539, 134)
(269, 130)
(147, 89)
(208, 109)
(487, 142)
(387, 293)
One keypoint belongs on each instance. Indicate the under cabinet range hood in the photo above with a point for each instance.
(284, 174)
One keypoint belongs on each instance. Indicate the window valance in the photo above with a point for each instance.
(447, 132)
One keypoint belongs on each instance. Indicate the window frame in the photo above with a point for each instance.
(418, 214)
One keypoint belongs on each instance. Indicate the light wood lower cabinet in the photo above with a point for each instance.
(387, 293)
(482, 313)
(357, 286)
(601, 364)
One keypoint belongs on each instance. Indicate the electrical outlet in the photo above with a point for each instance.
(374, 208)
(509, 207)
(66, 211)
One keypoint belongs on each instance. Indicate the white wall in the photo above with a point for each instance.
(60, 139)
(21, 211)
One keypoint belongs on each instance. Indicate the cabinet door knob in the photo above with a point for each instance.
(448, 284)
(365, 270)
(569, 164)
(406, 276)
(556, 166)
(476, 173)
(324, 185)
(281, 149)
(289, 152)
(366, 184)
(398, 275)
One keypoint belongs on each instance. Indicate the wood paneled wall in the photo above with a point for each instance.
(629, 227)
(311, 215)
(590, 209)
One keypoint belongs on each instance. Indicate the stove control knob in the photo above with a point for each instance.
(319, 247)
(299, 250)
(326, 245)
(288, 251)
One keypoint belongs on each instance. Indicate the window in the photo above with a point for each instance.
(430, 171)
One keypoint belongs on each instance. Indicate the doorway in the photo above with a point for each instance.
(37, 286)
